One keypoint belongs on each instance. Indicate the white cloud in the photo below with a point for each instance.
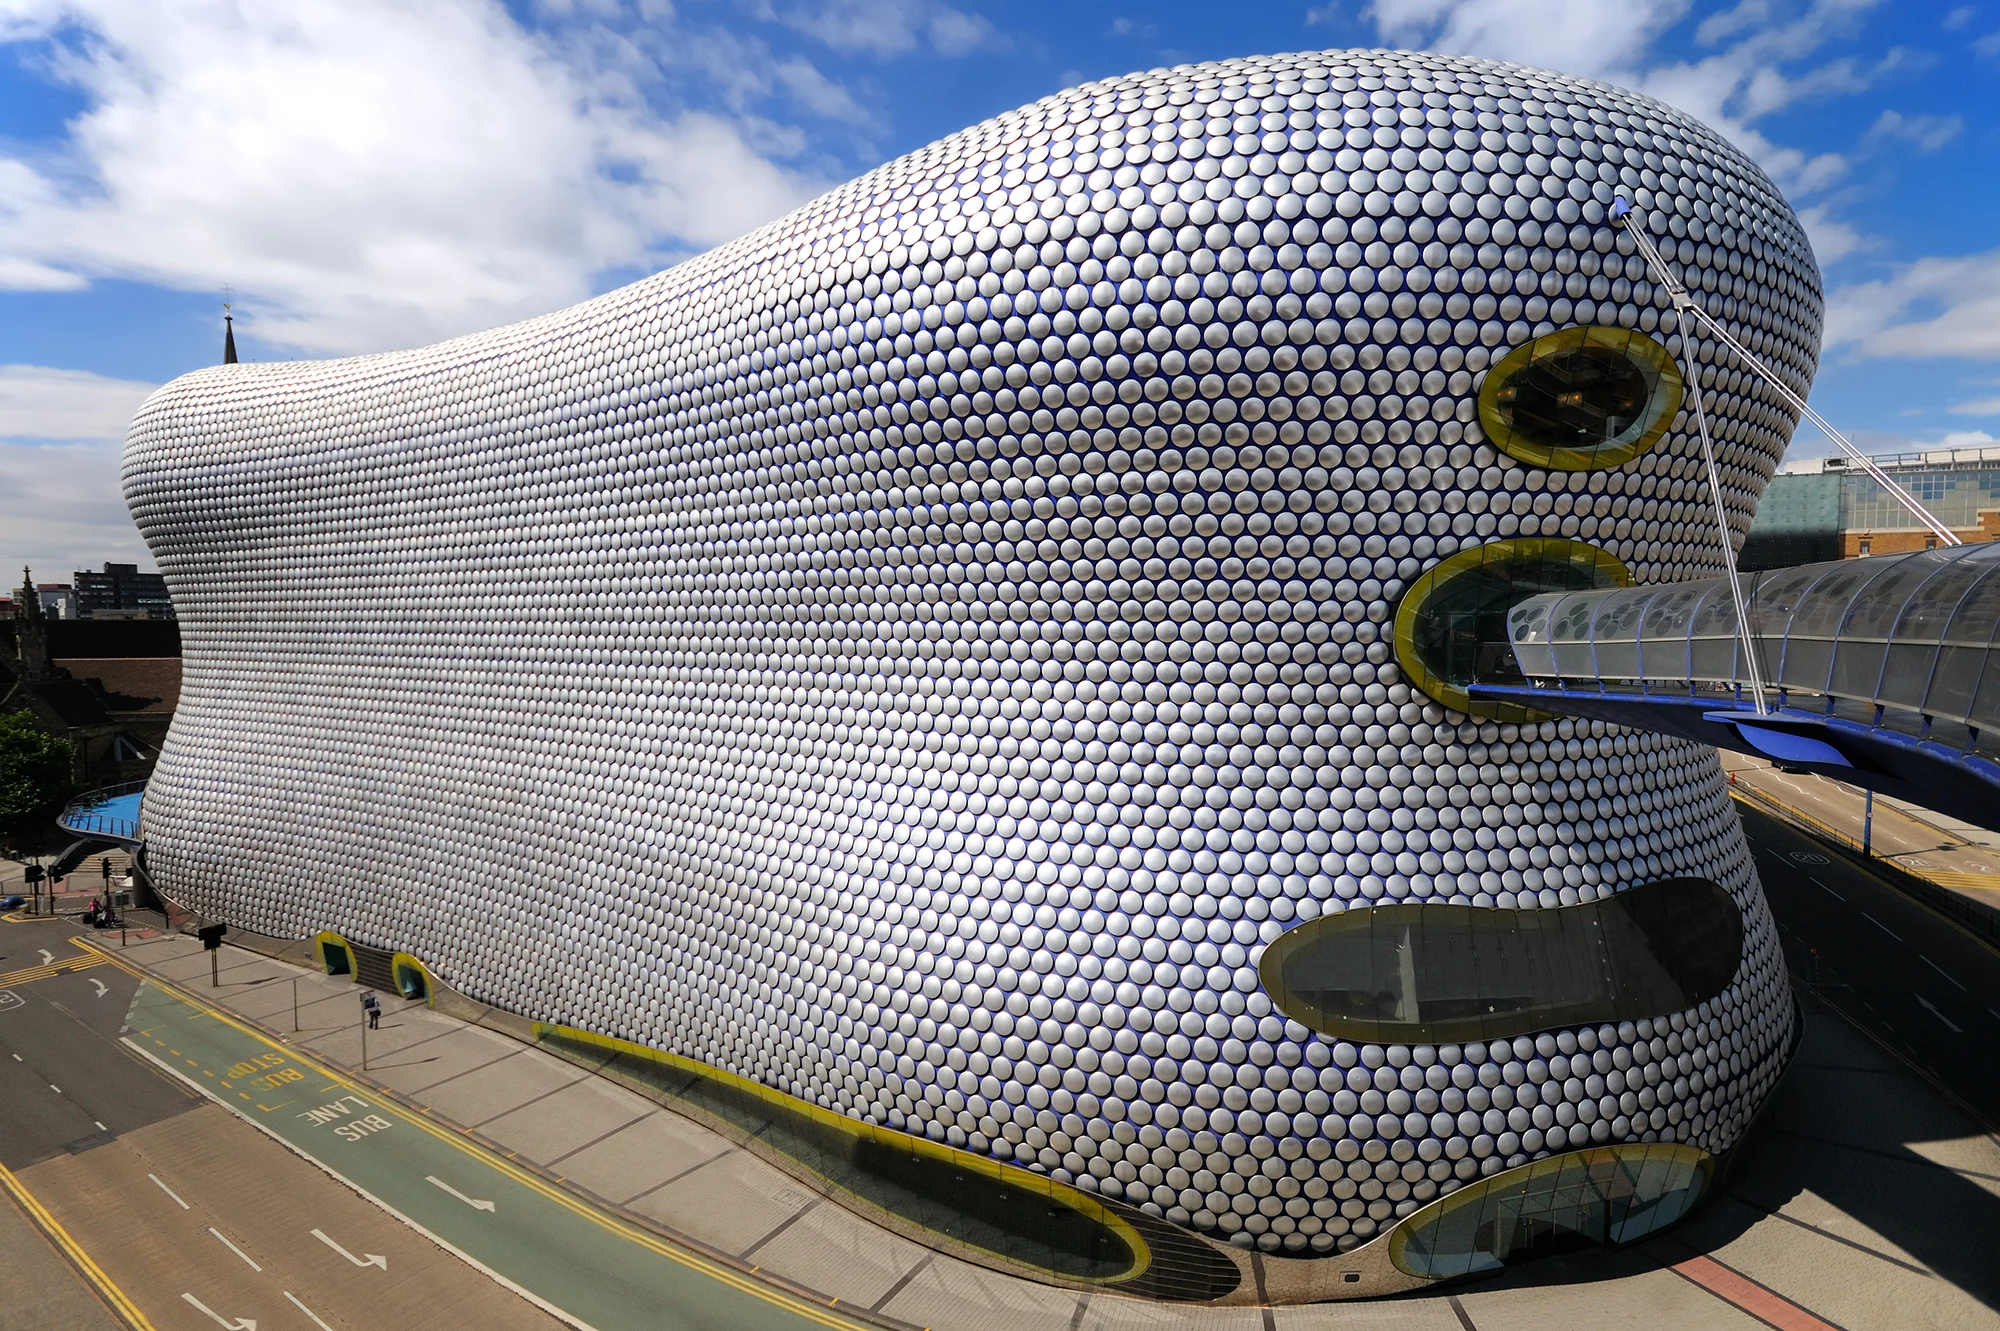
(1925, 133)
(61, 435)
(65, 511)
(1760, 64)
(37, 402)
(1832, 239)
(1933, 307)
(368, 174)
(1576, 36)
(1985, 406)
(890, 27)
(1322, 15)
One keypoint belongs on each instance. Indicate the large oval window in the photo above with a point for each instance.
(1581, 398)
(1607, 1196)
(1451, 626)
(1433, 973)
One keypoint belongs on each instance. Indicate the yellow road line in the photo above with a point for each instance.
(29, 974)
(70, 1248)
(623, 1229)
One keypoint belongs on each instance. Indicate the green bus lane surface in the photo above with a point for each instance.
(585, 1266)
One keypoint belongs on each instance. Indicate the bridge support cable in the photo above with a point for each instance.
(1683, 304)
(1622, 210)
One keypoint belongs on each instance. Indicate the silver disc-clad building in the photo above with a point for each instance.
(983, 659)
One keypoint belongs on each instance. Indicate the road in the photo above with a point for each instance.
(178, 1151)
(193, 1217)
(186, 1156)
(1924, 987)
(1950, 853)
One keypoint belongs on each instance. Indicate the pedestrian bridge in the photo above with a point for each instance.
(111, 814)
(1880, 672)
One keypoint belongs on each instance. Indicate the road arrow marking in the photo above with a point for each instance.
(233, 1248)
(307, 1311)
(1955, 1028)
(102, 989)
(371, 1259)
(239, 1324)
(169, 1191)
(48, 957)
(475, 1203)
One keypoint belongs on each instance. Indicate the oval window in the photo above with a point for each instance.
(1434, 973)
(1451, 626)
(1581, 399)
(1606, 1196)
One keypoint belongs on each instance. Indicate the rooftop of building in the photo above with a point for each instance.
(1979, 458)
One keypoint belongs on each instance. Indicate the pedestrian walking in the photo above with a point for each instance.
(373, 1007)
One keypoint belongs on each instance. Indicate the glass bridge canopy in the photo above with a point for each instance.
(1908, 633)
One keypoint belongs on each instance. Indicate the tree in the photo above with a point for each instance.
(34, 779)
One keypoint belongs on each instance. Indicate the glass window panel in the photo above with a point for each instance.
(1928, 611)
(1618, 659)
(1712, 660)
(1984, 713)
(1857, 668)
(1906, 673)
(1807, 663)
(1601, 1195)
(1823, 608)
(1878, 605)
(1434, 972)
(1954, 681)
(1773, 596)
(1972, 620)
(1668, 613)
(1453, 627)
(1001, 1209)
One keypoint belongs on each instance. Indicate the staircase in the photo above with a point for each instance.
(372, 968)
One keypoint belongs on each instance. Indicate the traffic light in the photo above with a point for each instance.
(33, 873)
(211, 936)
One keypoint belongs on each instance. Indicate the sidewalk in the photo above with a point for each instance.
(634, 1158)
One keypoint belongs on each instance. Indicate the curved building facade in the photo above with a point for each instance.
(983, 656)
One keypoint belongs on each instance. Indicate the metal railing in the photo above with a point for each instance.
(92, 814)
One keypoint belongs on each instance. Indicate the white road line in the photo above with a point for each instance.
(566, 1318)
(233, 1248)
(170, 1192)
(238, 1324)
(1883, 927)
(475, 1203)
(371, 1258)
(57, 1089)
(1824, 888)
(100, 1126)
(1939, 1015)
(307, 1311)
(1941, 971)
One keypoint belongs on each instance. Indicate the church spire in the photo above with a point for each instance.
(31, 632)
(228, 337)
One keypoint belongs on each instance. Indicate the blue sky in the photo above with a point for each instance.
(369, 174)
